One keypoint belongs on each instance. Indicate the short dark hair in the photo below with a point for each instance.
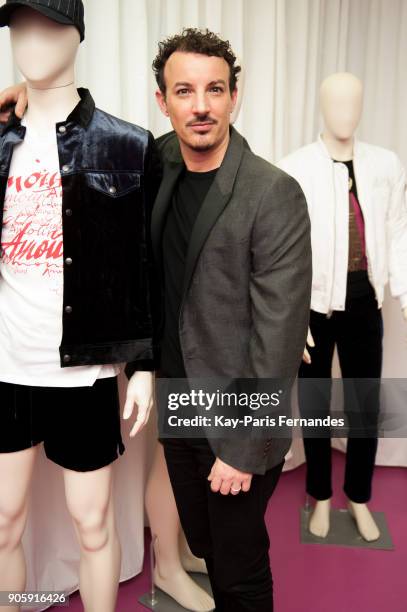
(193, 40)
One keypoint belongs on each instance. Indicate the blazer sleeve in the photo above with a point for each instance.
(281, 280)
(280, 291)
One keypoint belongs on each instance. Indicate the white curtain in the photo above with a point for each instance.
(287, 47)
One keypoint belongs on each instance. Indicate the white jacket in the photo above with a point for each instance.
(381, 186)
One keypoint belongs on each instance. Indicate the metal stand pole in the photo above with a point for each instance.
(152, 598)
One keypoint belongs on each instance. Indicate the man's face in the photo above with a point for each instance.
(198, 99)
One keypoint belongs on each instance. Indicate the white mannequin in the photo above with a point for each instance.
(46, 69)
(45, 53)
(173, 556)
(341, 99)
(172, 552)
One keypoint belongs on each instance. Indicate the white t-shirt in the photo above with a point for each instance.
(31, 272)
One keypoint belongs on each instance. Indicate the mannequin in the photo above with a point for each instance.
(45, 51)
(48, 106)
(341, 99)
(172, 553)
(174, 558)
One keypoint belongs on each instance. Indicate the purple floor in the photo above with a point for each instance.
(315, 578)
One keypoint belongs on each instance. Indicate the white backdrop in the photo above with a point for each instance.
(287, 48)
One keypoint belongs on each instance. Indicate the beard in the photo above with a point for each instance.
(201, 144)
(202, 148)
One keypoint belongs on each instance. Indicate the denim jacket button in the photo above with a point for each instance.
(67, 358)
(68, 261)
(65, 168)
(112, 190)
(68, 309)
(62, 129)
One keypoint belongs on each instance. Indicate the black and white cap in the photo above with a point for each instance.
(68, 12)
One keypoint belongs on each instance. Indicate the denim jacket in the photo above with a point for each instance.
(110, 175)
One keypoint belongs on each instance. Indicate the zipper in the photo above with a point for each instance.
(330, 311)
(365, 218)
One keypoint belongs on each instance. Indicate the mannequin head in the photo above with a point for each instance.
(341, 99)
(44, 50)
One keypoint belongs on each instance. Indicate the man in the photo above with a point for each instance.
(231, 238)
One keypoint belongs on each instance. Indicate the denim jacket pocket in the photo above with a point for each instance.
(113, 184)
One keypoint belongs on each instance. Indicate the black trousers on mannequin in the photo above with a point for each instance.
(357, 332)
(228, 531)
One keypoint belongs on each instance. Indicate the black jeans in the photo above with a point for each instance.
(357, 333)
(229, 531)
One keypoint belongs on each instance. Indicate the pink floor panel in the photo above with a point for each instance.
(315, 578)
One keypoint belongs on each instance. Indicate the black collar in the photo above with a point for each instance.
(83, 111)
(81, 114)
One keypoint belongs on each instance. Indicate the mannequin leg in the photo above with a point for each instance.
(90, 503)
(360, 354)
(319, 460)
(314, 402)
(16, 471)
(319, 522)
(360, 458)
(169, 574)
(364, 520)
(190, 563)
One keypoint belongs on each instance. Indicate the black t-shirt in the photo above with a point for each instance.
(187, 200)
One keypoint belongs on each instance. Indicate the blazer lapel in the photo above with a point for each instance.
(172, 170)
(215, 202)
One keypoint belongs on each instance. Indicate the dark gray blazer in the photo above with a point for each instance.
(247, 286)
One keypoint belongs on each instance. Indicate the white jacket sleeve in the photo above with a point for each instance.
(397, 236)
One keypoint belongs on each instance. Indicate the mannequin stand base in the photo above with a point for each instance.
(343, 531)
(165, 603)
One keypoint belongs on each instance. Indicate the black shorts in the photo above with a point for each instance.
(80, 426)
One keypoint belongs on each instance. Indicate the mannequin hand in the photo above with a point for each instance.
(140, 391)
(310, 342)
(16, 95)
(224, 478)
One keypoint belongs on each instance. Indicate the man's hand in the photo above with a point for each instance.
(140, 391)
(226, 479)
(310, 342)
(13, 96)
